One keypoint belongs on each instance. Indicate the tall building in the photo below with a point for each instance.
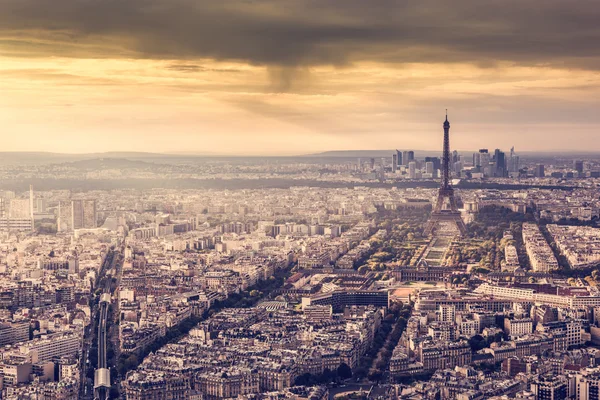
(578, 166)
(539, 171)
(411, 156)
(399, 157)
(405, 157)
(458, 166)
(394, 162)
(40, 205)
(84, 214)
(381, 172)
(20, 216)
(412, 170)
(31, 207)
(500, 163)
(455, 157)
(429, 167)
(20, 209)
(481, 161)
(90, 214)
(513, 161)
(437, 163)
(484, 157)
(64, 220)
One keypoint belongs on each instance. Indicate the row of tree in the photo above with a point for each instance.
(328, 376)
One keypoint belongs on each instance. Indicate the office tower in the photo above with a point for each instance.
(31, 206)
(83, 214)
(500, 163)
(412, 170)
(64, 222)
(359, 164)
(429, 167)
(411, 156)
(399, 157)
(458, 166)
(515, 164)
(511, 156)
(77, 214)
(476, 160)
(550, 387)
(372, 163)
(437, 163)
(539, 171)
(484, 161)
(405, 157)
(40, 205)
(484, 157)
(578, 166)
(513, 161)
(394, 162)
(445, 208)
(381, 172)
(20, 217)
(2, 208)
(90, 214)
(455, 156)
(20, 209)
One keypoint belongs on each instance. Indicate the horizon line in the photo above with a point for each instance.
(324, 152)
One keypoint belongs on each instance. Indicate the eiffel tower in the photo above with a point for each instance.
(445, 208)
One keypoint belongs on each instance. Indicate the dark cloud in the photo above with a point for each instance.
(186, 68)
(288, 34)
(198, 68)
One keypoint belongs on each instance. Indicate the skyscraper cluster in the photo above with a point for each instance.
(496, 165)
(484, 164)
(400, 158)
(405, 161)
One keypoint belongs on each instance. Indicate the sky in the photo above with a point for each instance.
(283, 77)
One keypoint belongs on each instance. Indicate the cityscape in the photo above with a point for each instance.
(299, 200)
(459, 276)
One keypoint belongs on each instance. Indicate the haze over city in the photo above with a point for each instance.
(285, 77)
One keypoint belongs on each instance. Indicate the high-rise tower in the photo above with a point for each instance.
(445, 208)
(31, 207)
